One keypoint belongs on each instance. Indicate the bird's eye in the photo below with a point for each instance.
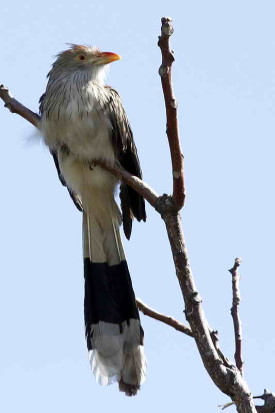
(82, 57)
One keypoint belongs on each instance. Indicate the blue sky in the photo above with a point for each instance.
(224, 82)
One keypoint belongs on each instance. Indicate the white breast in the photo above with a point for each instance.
(78, 121)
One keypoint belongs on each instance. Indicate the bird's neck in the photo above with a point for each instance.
(67, 92)
(77, 78)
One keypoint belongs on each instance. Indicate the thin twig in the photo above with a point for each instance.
(165, 72)
(16, 107)
(235, 313)
(224, 406)
(163, 318)
(140, 186)
(215, 339)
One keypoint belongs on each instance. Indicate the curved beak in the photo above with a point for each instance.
(106, 57)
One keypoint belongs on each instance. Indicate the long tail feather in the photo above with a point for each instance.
(113, 331)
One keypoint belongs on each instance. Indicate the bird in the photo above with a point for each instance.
(83, 122)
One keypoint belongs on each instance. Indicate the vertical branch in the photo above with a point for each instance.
(235, 313)
(227, 378)
(172, 130)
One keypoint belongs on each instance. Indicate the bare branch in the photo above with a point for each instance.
(163, 318)
(235, 313)
(140, 186)
(215, 339)
(269, 402)
(165, 72)
(267, 407)
(16, 107)
(226, 377)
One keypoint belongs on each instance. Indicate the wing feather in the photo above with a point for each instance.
(73, 196)
(132, 204)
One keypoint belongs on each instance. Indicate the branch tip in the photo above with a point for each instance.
(236, 265)
(166, 26)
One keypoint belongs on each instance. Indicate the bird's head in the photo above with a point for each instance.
(87, 59)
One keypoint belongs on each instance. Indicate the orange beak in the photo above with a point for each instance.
(106, 57)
